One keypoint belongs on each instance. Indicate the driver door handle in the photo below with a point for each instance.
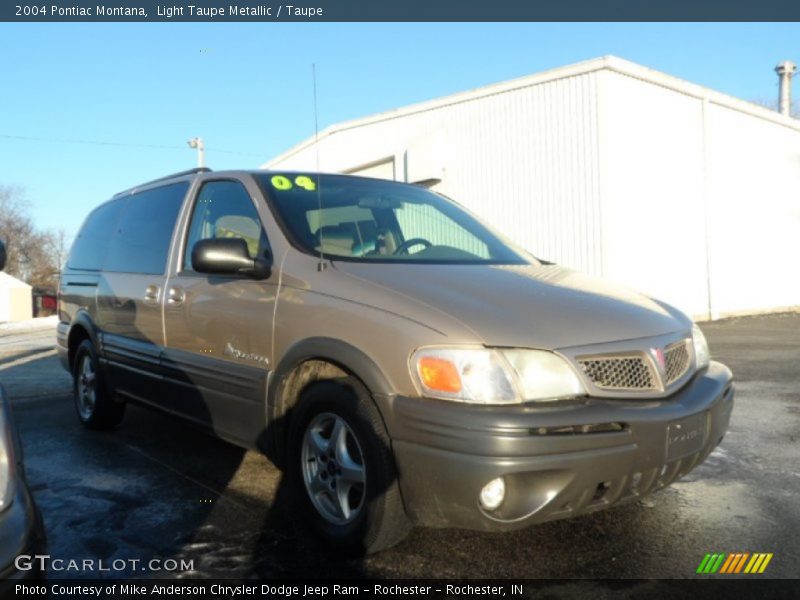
(175, 296)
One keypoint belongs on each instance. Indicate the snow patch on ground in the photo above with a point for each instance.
(29, 325)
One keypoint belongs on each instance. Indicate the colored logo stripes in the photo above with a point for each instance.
(735, 563)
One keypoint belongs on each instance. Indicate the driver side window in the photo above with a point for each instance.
(224, 209)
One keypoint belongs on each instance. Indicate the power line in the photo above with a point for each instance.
(28, 138)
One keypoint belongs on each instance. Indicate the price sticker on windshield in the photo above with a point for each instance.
(283, 183)
(305, 182)
(279, 182)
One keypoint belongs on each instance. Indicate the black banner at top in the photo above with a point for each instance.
(210, 11)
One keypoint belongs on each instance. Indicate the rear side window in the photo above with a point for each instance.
(144, 231)
(91, 246)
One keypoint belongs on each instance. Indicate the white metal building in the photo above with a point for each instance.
(16, 300)
(606, 166)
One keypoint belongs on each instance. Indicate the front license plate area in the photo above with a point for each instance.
(686, 436)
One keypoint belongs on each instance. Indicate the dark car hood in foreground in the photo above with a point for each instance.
(21, 528)
(523, 305)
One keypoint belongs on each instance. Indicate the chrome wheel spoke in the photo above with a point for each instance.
(318, 486)
(343, 500)
(350, 469)
(351, 472)
(319, 444)
(331, 504)
(338, 437)
(86, 387)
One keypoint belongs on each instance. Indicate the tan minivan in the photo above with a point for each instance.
(399, 360)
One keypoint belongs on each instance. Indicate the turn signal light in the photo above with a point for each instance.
(439, 374)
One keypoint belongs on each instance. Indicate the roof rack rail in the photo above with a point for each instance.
(172, 176)
(178, 174)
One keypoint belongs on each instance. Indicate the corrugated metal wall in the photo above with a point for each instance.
(524, 160)
(754, 203)
(681, 193)
(701, 201)
(653, 209)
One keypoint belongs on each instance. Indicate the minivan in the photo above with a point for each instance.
(401, 362)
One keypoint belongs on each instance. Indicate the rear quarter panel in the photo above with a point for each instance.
(77, 292)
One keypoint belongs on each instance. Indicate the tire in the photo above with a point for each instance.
(355, 475)
(95, 407)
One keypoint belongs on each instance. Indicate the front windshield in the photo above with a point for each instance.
(371, 220)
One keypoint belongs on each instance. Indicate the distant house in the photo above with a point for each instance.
(16, 299)
(608, 167)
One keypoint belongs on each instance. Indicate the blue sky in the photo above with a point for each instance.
(246, 88)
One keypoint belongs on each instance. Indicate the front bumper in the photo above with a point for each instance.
(446, 452)
(62, 344)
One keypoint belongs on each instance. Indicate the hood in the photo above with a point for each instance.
(524, 305)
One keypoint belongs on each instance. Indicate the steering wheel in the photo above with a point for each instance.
(403, 248)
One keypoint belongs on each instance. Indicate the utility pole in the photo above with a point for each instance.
(197, 142)
(785, 70)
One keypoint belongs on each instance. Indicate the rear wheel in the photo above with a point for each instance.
(341, 469)
(94, 405)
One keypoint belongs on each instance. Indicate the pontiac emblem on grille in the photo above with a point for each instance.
(661, 360)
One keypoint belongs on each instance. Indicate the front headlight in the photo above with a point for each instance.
(487, 376)
(702, 356)
(543, 375)
(6, 462)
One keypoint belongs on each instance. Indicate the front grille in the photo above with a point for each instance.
(677, 361)
(621, 373)
(649, 371)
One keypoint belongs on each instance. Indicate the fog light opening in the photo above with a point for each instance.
(601, 490)
(493, 494)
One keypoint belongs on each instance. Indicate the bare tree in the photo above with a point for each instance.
(34, 256)
(773, 105)
(58, 245)
(16, 228)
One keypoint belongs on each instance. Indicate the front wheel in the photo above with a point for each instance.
(342, 470)
(94, 405)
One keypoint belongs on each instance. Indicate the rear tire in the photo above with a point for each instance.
(95, 407)
(341, 469)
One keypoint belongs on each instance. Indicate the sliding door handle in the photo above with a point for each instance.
(151, 294)
(175, 296)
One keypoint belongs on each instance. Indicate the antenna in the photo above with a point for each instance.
(321, 264)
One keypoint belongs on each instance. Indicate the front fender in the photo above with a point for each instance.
(349, 359)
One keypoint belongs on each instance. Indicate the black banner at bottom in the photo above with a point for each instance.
(71, 589)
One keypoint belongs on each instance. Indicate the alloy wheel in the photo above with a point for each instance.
(87, 387)
(333, 469)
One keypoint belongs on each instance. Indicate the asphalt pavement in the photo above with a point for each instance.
(159, 488)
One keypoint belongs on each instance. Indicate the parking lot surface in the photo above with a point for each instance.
(159, 488)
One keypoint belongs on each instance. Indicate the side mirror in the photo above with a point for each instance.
(229, 256)
(2, 255)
